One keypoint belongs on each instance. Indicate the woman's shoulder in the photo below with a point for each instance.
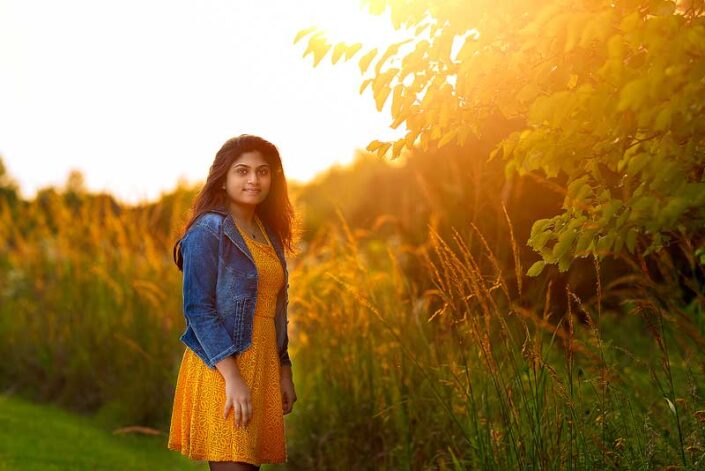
(210, 220)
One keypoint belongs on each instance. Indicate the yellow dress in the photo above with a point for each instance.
(197, 428)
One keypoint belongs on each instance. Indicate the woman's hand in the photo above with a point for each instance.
(287, 388)
(237, 397)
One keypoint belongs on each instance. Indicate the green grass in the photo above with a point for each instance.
(45, 437)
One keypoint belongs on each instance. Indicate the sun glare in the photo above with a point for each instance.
(350, 21)
(166, 83)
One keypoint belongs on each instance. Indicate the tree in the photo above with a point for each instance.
(609, 95)
(9, 188)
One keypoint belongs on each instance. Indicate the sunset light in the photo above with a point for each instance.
(137, 94)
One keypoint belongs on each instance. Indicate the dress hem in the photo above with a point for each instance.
(246, 459)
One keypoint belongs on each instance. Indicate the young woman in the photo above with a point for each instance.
(235, 382)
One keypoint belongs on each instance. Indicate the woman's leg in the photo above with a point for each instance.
(231, 466)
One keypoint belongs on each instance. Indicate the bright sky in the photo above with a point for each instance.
(136, 94)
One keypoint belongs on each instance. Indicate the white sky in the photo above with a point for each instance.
(138, 93)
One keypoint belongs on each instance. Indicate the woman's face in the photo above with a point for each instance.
(249, 179)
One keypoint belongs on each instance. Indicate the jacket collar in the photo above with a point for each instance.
(231, 231)
(220, 210)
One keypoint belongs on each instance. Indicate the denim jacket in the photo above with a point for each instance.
(220, 289)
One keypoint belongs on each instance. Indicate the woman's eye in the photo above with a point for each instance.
(244, 171)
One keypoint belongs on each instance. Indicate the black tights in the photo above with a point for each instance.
(232, 466)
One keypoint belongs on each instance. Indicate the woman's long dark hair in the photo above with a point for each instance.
(275, 211)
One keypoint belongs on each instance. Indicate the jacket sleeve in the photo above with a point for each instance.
(200, 270)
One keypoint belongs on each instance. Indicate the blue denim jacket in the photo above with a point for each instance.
(220, 289)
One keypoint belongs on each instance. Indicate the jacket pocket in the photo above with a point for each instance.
(239, 284)
(238, 308)
(241, 327)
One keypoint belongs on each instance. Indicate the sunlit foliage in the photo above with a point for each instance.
(608, 94)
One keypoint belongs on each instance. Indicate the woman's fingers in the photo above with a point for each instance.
(228, 405)
(247, 416)
(237, 397)
(238, 415)
(288, 401)
(243, 413)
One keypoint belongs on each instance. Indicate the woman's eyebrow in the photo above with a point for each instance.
(244, 165)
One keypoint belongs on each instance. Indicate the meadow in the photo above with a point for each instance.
(439, 354)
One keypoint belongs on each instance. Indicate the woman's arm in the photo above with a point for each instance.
(200, 256)
(200, 270)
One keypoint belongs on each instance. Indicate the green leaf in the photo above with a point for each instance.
(632, 95)
(576, 185)
(539, 225)
(564, 263)
(539, 240)
(608, 210)
(584, 240)
(604, 244)
(618, 243)
(631, 240)
(663, 119)
(565, 242)
(637, 163)
(536, 268)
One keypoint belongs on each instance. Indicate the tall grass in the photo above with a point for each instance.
(453, 368)
(464, 375)
(90, 308)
